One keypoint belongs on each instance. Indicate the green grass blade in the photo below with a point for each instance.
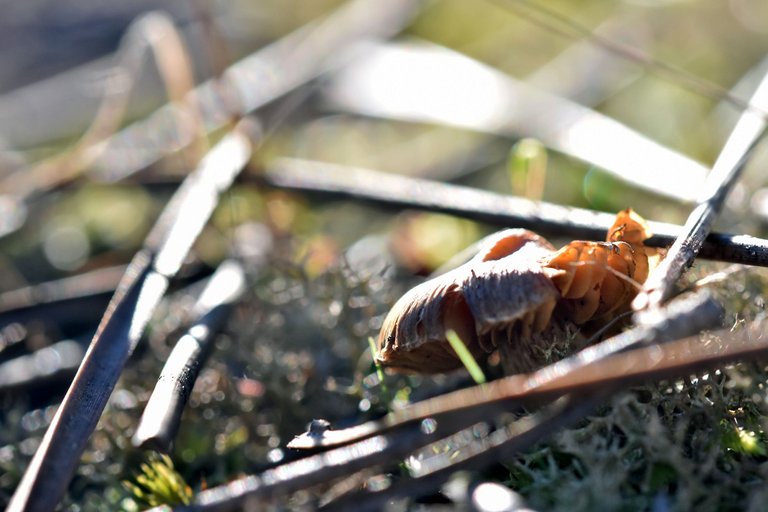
(379, 371)
(465, 356)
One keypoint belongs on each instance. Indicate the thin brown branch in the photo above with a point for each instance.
(499, 445)
(397, 191)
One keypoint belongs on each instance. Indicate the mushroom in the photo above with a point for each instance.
(516, 293)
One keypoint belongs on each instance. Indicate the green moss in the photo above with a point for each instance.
(158, 483)
(679, 442)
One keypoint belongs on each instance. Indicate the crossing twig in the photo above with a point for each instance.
(397, 191)
(738, 148)
(142, 287)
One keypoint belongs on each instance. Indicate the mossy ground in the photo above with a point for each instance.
(296, 349)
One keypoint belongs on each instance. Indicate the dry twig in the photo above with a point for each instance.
(255, 81)
(67, 299)
(743, 139)
(162, 414)
(503, 443)
(154, 31)
(389, 81)
(142, 287)
(245, 87)
(400, 191)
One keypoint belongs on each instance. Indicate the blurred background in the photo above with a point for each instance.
(600, 104)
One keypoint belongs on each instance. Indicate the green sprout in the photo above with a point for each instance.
(379, 369)
(159, 483)
(465, 356)
(740, 440)
(527, 167)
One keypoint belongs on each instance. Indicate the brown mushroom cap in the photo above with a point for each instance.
(501, 286)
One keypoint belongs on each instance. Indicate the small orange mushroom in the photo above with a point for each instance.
(512, 293)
